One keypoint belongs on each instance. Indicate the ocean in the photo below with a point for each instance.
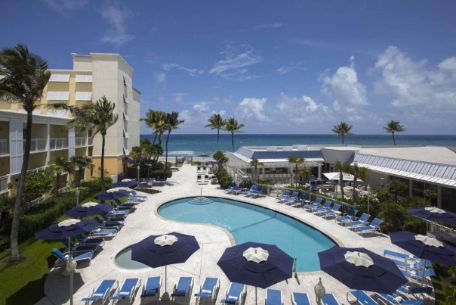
(197, 144)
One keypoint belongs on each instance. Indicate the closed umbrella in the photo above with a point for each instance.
(109, 196)
(434, 214)
(256, 264)
(425, 247)
(361, 269)
(162, 250)
(89, 209)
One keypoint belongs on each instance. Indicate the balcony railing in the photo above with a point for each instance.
(37, 144)
(3, 184)
(3, 146)
(58, 143)
(80, 141)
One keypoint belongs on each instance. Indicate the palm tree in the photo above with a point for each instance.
(358, 172)
(296, 161)
(216, 122)
(304, 174)
(220, 158)
(232, 126)
(60, 166)
(342, 129)
(342, 167)
(393, 127)
(23, 78)
(172, 122)
(254, 164)
(156, 120)
(80, 163)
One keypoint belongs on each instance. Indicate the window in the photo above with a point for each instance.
(58, 95)
(83, 96)
(59, 78)
(83, 78)
(449, 199)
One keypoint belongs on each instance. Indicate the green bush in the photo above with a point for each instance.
(223, 178)
(37, 183)
(159, 173)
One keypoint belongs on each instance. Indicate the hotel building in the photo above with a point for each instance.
(93, 76)
(420, 168)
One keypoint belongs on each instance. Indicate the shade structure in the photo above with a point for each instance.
(336, 176)
(372, 272)
(238, 268)
(434, 214)
(443, 254)
(66, 229)
(109, 196)
(130, 184)
(89, 209)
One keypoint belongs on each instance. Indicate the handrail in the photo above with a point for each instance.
(3, 146)
(58, 143)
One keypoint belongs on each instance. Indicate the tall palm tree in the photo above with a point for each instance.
(342, 167)
(216, 122)
(342, 129)
(358, 172)
(296, 161)
(254, 164)
(393, 127)
(233, 126)
(172, 122)
(156, 120)
(80, 163)
(60, 166)
(23, 78)
(220, 158)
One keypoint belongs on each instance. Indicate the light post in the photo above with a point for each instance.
(76, 170)
(320, 291)
(138, 168)
(77, 195)
(70, 268)
(368, 188)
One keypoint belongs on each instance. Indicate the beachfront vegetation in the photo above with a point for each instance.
(254, 165)
(172, 122)
(156, 120)
(216, 122)
(223, 177)
(393, 127)
(342, 129)
(359, 173)
(341, 168)
(297, 161)
(24, 76)
(233, 126)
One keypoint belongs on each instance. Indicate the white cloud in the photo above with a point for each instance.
(302, 109)
(66, 4)
(345, 88)
(235, 62)
(197, 114)
(252, 108)
(160, 78)
(297, 66)
(413, 83)
(189, 71)
(116, 15)
(274, 25)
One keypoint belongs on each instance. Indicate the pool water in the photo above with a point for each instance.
(247, 222)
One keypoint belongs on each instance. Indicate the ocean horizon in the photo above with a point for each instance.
(197, 144)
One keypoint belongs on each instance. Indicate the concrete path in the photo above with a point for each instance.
(213, 240)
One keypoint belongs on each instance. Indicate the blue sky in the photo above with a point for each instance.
(278, 66)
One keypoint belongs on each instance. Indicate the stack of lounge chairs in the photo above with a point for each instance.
(411, 266)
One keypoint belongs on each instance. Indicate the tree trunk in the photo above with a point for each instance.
(232, 140)
(343, 139)
(218, 136)
(14, 237)
(355, 182)
(102, 162)
(394, 139)
(155, 138)
(341, 184)
(166, 151)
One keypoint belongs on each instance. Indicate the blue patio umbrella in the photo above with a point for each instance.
(256, 264)
(89, 209)
(66, 229)
(109, 196)
(434, 214)
(425, 247)
(162, 250)
(131, 184)
(361, 269)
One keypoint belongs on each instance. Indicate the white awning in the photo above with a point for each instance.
(336, 176)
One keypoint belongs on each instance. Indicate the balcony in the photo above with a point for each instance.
(3, 184)
(37, 144)
(80, 141)
(3, 147)
(58, 143)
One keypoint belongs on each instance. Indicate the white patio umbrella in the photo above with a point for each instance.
(336, 176)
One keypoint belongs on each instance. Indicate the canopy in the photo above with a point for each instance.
(89, 209)
(66, 229)
(434, 214)
(336, 176)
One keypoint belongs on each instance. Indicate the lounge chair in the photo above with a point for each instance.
(419, 290)
(90, 241)
(104, 233)
(363, 298)
(350, 216)
(325, 208)
(333, 212)
(79, 247)
(183, 290)
(78, 257)
(257, 193)
(251, 191)
(418, 274)
(273, 297)
(373, 227)
(329, 299)
(360, 222)
(235, 295)
(102, 293)
(394, 299)
(299, 298)
(231, 188)
(293, 198)
(284, 196)
(208, 291)
(315, 203)
(151, 289)
(128, 290)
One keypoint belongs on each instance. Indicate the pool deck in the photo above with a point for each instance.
(213, 240)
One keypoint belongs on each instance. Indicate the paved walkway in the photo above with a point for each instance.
(213, 240)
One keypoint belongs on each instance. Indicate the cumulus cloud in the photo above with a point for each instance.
(235, 62)
(412, 83)
(189, 71)
(345, 88)
(116, 16)
(302, 109)
(160, 78)
(197, 114)
(252, 108)
(66, 4)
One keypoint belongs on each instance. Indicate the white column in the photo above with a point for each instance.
(71, 142)
(16, 145)
(319, 171)
(48, 143)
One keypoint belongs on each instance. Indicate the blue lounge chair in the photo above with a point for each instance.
(374, 226)
(183, 290)
(231, 188)
(348, 217)
(418, 274)
(235, 295)
(363, 298)
(284, 196)
(360, 222)
(151, 289)
(90, 241)
(329, 299)
(273, 297)
(80, 247)
(251, 190)
(104, 233)
(315, 204)
(333, 212)
(257, 193)
(397, 300)
(102, 293)
(293, 198)
(78, 257)
(326, 206)
(298, 298)
(208, 291)
(127, 290)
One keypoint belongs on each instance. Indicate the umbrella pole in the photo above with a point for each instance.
(165, 296)
(256, 296)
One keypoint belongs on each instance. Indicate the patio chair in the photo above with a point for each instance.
(398, 300)
(231, 188)
(284, 196)
(90, 241)
(104, 233)
(251, 191)
(363, 219)
(127, 291)
(315, 203)
(78, 257)
(151, 289)
(350, 216)
(79, 247)
(299, 298)
(273, 297)
(373, 227)
(183, 290)
(102, 293)
(333, 212)
(329, 299)
(235, 295)
(293, 198)
(321, 210)
(418, 274)
(208, 291)
(363, 298)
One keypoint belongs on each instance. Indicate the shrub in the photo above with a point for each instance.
(223, 178)
(393, 215)
(37, 183)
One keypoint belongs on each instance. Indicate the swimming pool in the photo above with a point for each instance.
(248, 222)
